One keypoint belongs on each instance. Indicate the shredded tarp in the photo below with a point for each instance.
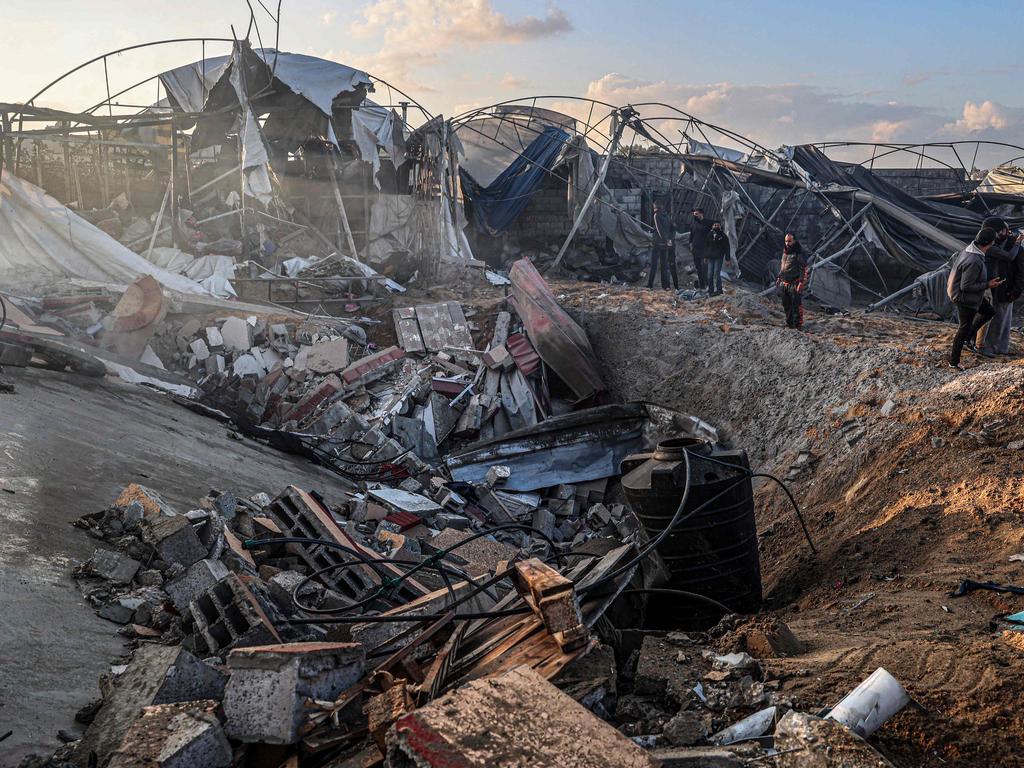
(574, 448)
(498, 205)
(390, 230)
(190, 85)
(491, 144)
(39, 234)
(629, 237)
(1003, 180)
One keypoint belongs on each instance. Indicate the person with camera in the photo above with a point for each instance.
(966, 287)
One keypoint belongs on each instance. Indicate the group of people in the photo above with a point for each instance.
(986, 278)
(709, 246)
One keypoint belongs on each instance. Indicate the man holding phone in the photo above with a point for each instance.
(1001, 261)
(968, 281)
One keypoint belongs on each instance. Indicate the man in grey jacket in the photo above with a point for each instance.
(1000, 261)
(968, 282)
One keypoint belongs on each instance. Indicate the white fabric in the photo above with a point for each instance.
(255, 159)
(374, 126)
(38, 233)
(186, 84)
(390, 229)
(702, 149)
(1005, 179)
(317, 80)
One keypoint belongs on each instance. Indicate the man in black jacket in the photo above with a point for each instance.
(699, 231)
(661, 248)
(1000, 261)
(718, 249)
(968, 282)
(792, 280)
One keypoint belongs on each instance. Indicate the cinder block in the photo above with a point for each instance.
(228, 615)
(299, 515)
(198, 578)
(265, 700)
(174, 539)
(157, 674)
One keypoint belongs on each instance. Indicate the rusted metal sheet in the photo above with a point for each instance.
(522, 351)
(559, 341)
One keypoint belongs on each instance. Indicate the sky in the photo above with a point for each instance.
(788, 72)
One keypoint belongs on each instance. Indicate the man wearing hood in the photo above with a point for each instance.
(1001, 260)
(968, 281)
(662, 254)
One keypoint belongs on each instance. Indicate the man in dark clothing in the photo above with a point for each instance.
(968, 281)
(792, 280)
(699, 231)
(1000, 261)
(718, 249)
(661, 248)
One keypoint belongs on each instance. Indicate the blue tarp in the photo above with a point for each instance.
(499, 204)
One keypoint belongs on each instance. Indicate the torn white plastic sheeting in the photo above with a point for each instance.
(317, 80)
(374, 126)
(405, 501)
(255, 158)
(131, 376)
(391, 219)
(39, 233)
(190, 85)
(496, 278)
(703, 149)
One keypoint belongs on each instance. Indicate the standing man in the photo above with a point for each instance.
(718, 249)
(968, 281)
(792, 280)
(699, 232)
(1000, 261)
(661, 250)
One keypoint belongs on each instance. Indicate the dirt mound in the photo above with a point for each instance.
(903, 472)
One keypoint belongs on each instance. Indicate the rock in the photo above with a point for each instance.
(805, 741)
(113, 566)
(684, 730)
(1016, 445)
(698, 757)
(888, 407)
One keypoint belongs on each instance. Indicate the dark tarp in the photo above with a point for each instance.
(917, 251)
(496, 206)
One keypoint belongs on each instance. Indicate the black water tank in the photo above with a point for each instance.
(713, 552)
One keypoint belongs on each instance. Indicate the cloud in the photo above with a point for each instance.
(328, 18)
(791, 113)
(514, 82)
(414, 34)
(986, 117)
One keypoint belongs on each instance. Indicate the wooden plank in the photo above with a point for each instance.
(407, 329)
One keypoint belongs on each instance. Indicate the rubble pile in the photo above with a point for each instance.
(359, 634)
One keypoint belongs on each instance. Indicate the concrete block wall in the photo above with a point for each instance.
(927, 181)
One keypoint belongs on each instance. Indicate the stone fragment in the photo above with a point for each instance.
(805, 741)
(185, 735)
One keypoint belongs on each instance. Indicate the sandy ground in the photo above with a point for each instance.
(67, 446)
(901, 506)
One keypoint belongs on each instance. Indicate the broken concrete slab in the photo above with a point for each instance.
(113, 566)
(152, 504)
(697, 757)
(236, 334)
(515, 719)
(174, 540)
(805, 741)
(157, 674)
(185, 735)
(265, 699)
(328, 356)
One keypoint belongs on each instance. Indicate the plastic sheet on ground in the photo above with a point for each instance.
(38, 233)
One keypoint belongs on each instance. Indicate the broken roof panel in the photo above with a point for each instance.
(574, 448)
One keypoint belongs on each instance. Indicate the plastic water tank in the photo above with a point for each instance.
(713, 552)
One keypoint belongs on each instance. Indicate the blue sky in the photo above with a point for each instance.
(788, 71)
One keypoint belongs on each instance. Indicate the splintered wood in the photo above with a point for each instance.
(552, 597)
